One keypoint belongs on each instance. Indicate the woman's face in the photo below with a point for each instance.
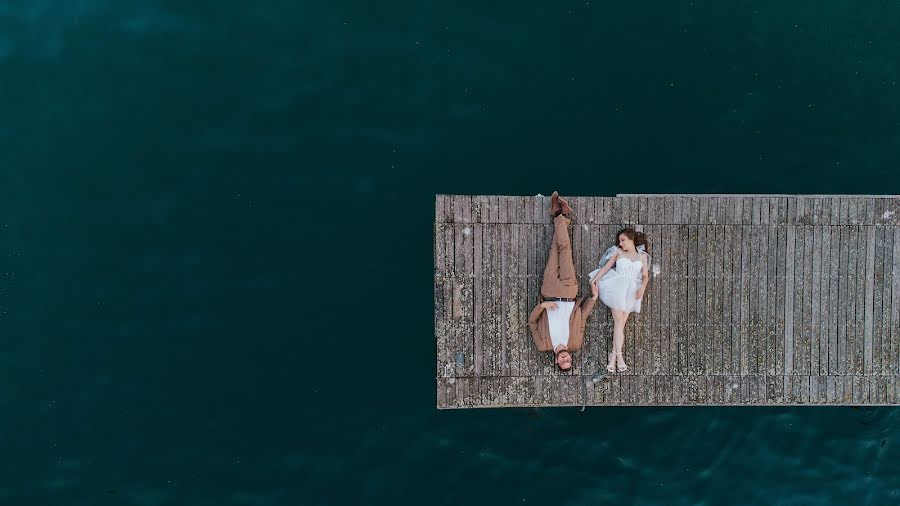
(625, 243)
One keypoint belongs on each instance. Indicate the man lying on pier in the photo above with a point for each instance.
(557, 322)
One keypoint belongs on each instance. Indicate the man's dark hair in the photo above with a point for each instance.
(556, 356)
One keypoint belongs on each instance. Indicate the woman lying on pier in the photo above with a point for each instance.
(621, 281)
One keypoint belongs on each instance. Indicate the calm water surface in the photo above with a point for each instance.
(216, 241)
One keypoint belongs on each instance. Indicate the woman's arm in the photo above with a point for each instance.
(608, 266)
(645, 272)
(645, 278)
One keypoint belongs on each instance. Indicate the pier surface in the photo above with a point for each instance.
(753, 300)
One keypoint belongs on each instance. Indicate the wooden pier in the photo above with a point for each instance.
(753, 300)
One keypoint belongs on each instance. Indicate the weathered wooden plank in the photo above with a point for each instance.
(598, 336)
(480, 320)
(511, 318)
(860, 390)
(776, 211)
(702, 314)
(877, 393)
(736, 329)
(829, 300)
(890, 358)
(845, 389)
(815, 211)
(730, 389)
(780, 296)
(804, 387)
(677, 206)
(481, 208)
(745, 299)
(541, 205)
(463, 297)
(495, 262)
(727, 285)
(745, 389)
(673, 301)
(724, 204)
(762, 394)
(771, 297)
(516, 312)
(858, 255)
(694, 333)
(680, 336)
(834, 279)
(710, 292)
(755, 205)
(843, 237)
(806, 213)
(443, 303)
(804, 293)
(817, 389)
(654, 293)
(769, 386)
(789, 298)
(663, 210)
(839, 213)
(718, 294)
(791, 216)
(853, 211)
(602, 210)
(662, 286)
(443, 249)
(462, 209)
(815, 331)
(868, 306)
(521, 352)
(830, 389)
(747, 210)
(753, 295)
(441, 203)
(878, 297)
(644, 211)
(827, 210)
(731, 212)
(895, 304)
(869, 217)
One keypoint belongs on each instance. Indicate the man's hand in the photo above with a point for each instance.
(594, 291)
(549, 305)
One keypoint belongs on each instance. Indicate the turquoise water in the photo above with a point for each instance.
(212, 212)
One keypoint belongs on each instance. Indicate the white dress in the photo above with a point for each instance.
(620, 284)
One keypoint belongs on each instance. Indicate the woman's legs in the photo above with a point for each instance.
(619, 320)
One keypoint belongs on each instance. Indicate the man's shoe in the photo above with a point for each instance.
(564, 207)
(555, 208)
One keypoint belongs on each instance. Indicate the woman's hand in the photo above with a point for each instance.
(640, 294)
(549, 305)
(595, 290)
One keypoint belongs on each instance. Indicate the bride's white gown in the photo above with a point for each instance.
(620, 284)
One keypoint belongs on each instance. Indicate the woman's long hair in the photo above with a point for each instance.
(639, 238)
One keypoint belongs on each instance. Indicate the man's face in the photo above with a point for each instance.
(564, 360)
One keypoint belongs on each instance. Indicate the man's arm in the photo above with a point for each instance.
(536, 314)
(587, 305)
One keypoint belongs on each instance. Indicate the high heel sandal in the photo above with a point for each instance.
(611, 366)
(624, 366)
